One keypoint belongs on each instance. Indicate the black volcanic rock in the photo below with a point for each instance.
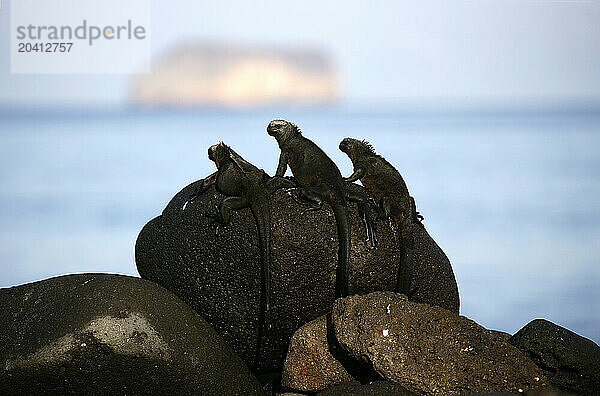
(429, 350)
(432, 275)
(111, 334)
(375, 388)
(216, 270)
(309, 363)
(571, 362)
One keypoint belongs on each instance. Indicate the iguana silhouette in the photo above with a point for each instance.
(382, 180)
(320, 181)
(245, 186)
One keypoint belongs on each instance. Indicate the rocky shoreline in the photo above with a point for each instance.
(191, 325)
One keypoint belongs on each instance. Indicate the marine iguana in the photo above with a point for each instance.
(387, 185)
(245, 186)
(320, 181)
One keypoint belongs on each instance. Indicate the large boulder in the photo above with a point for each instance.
(216, 270)
(309, 363)
(111, 334)
(375, 388)
(429, 350)
(431, 272)
(571, 362)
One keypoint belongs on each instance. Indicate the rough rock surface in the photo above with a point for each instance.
(501, 335)
(571, 362)
(111, 334)
(309, 364)
(376, 388)
(540, 392)
(425, 258)
(428, 349)
(218, 274)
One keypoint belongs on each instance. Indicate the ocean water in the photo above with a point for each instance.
(513, 198)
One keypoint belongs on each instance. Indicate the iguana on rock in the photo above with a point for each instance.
(245, 186)
(382, 180)
(321, 181)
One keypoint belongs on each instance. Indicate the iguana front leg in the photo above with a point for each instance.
(358, 174)
(282, 166)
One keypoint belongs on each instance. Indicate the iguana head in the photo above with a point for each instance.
(356, 149)
(282, 130)
(218, 152)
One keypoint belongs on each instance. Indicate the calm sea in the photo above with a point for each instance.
(512, 197)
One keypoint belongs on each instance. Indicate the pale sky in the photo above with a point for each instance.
(384, 49)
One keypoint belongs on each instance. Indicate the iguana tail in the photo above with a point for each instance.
(263, 225)
(340, 212)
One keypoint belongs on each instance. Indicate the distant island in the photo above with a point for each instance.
(210, 74)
